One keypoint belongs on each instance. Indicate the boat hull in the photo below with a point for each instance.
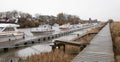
(64, 28)
(37, 33)
(6, 38)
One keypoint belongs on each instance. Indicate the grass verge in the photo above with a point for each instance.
(115, 32)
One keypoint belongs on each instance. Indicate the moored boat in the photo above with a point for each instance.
(42, 29)
(9, 32)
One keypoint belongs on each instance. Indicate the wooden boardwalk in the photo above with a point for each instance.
(99, 50)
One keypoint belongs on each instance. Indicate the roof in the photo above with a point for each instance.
(8, 25)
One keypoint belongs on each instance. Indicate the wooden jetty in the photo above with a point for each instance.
(99, 50)
(69, 40)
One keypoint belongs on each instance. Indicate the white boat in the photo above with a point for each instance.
(65, 27)
(42, 30)
(9, 32)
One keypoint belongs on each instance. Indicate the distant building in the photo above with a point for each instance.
(89, 21)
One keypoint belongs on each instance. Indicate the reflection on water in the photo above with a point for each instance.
(34, 50)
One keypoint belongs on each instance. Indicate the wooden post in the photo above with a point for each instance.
(82, 47)
(64, 48)
(58, 46)
(11, 61)
(54, 43)
(53, 47)
(5, 49)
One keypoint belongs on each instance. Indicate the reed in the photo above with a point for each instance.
(115, 31)
(56, 56)
(97, 29)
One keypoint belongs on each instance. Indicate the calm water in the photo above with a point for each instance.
(37, 49)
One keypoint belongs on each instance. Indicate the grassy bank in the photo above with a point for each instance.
(59, 55)
(115, 31)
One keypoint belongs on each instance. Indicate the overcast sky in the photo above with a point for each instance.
(95, 9)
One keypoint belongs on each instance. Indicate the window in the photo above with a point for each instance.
(9, 29)
(1, 28)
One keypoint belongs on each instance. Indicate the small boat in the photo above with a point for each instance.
(9, 32)
(42, 30)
